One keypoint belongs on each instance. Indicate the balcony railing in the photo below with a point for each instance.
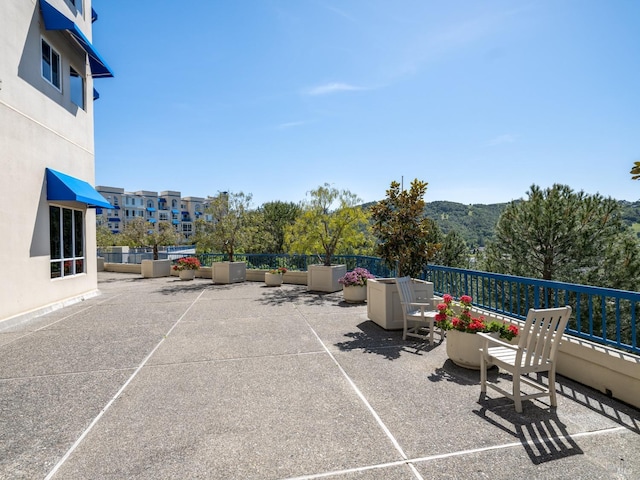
(602, 315)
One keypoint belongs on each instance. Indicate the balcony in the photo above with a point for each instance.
(159, 378)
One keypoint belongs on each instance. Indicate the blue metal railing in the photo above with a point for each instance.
(255, 260)
(602, 315)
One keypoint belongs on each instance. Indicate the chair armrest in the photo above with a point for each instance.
(486, 336)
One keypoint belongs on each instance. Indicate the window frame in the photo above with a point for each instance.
(52, 52)
(65, 253)
(72, 88)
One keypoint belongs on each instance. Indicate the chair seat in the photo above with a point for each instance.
(507, 357)
(417, 314)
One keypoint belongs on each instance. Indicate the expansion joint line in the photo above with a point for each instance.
(366, 403)
(55, 469)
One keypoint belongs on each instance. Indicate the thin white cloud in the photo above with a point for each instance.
(334, 87)
(501, 140)
(286, 125)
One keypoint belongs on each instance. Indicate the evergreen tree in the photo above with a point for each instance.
(558, 234)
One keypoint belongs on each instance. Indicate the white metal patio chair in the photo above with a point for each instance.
(419, 316)
(535, 352)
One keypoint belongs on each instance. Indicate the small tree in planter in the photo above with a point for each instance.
(138, 233)
(331, 222)
(407, 240)
(403, 230)
(229, 230)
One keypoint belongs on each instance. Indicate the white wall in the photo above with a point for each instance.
(39, 128)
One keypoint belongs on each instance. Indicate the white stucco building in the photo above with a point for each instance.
(47, 68)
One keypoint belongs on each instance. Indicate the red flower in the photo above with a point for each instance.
(440, 317)
(466, 299)
(447, 298)
(513, 329)
(442, 307)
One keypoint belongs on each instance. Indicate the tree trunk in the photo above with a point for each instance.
(155, 251)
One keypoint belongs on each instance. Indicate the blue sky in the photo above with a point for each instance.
(481, 99)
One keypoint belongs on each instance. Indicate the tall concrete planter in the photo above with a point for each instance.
(229, 272)
(383, 301)
(156, 268)
(322, 278)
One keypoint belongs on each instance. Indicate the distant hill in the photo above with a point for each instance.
(476, 223)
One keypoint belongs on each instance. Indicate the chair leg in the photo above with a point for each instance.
(431, 327)
(404, 334)
(516, 392)
(552, 386)
(483, 374)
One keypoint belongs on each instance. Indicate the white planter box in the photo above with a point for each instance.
(156, 268)
(229, 272)
(383, 301)
(321, 278)
(273, 279)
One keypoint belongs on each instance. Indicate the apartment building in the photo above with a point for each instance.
(153, 207)
(47, 69)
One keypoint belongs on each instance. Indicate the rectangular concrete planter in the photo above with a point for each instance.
(383, 301)
(322, 278)
(156, 268)
(229, 272)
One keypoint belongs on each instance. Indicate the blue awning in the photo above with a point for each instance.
(56, 20)
(114, 219)
(151, 209)
(152, 220)
(176, 212)
(175, 222)
(66, 188)
(96, 94)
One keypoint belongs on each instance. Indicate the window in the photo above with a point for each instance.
(66, 240)
(50, 65)
(76, 87)
(78, 5)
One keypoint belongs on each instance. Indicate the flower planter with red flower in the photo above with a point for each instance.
(463, 345)
(186, 267)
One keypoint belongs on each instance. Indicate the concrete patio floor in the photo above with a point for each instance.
(158, 378)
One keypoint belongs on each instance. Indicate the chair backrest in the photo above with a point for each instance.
(405, 292)
(541, 334)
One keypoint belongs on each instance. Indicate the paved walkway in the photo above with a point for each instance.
(158, 378)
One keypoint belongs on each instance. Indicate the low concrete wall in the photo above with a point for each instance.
(291, 277)
(123, 268)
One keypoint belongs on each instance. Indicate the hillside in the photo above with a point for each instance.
(476, 223)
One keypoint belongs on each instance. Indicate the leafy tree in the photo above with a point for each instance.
(405, 235)
(137, 233)
(230, 229)
(556, 234)
(272, 220)
(330, 222)
(104, 236)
